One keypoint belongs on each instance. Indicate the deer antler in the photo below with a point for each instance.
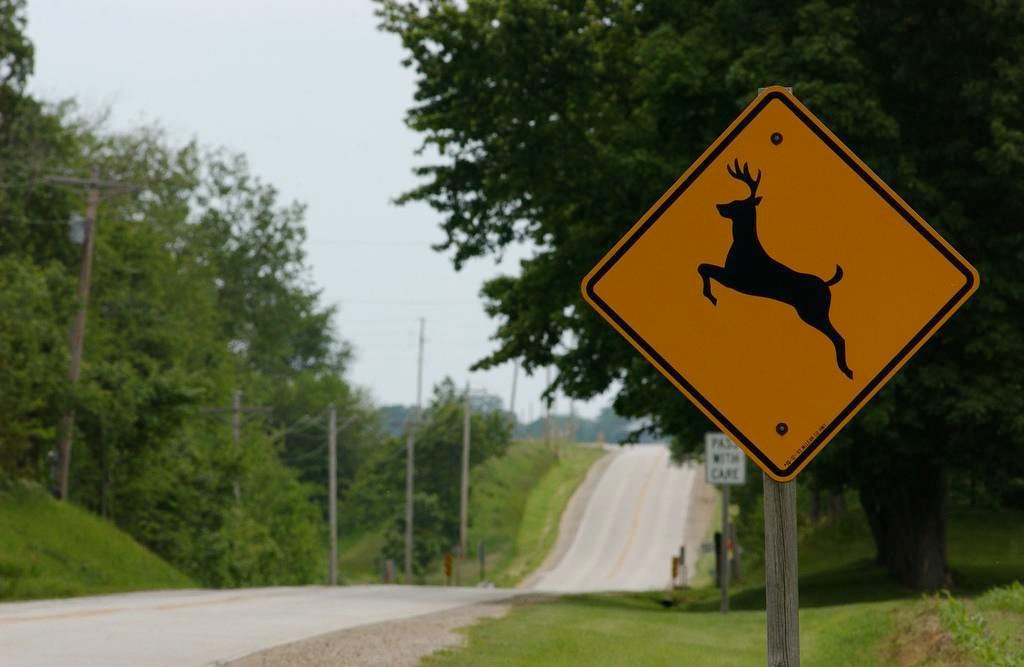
(744, 176)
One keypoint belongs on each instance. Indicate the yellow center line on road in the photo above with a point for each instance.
(636, 518)
(116, 610)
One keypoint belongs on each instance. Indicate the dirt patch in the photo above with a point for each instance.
(918, 639)
(391, 644)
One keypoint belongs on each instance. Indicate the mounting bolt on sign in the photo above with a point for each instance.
(779, 284)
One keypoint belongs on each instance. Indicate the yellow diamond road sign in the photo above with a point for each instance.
(779, 283)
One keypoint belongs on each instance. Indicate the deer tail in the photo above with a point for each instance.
(836, 278)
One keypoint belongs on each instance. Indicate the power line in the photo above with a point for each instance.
(344, 242)
(302, 423)
(408, 302)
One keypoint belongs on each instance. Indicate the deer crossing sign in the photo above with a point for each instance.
(779, 283)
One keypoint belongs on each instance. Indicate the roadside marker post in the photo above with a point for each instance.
(481, 555)
(724, 465)
(779, 284)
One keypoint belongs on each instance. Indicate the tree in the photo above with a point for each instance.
(200, 288)
(270, 314)
(16, 51)
(556, 122)
(33, 374)
(377, 493)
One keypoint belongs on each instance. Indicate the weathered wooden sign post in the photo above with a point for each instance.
(779, 284)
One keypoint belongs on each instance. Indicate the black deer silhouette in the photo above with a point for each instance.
(749, 269)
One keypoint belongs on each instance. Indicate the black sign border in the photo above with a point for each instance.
(876, 185)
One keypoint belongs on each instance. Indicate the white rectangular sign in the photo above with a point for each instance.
(724, 462)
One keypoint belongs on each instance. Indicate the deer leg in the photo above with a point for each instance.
(707, 272)
(818, 318)
(840, 346)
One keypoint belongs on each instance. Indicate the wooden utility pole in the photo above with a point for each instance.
(236, 434)
(236, 411)
(332, 492)
(780, 571)
(464, 490)
(547, 410)
(723, 571)
(410, 446)
(236, 416)
(512, 398)
(77, 342)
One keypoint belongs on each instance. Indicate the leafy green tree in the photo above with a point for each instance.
(33, 373)
(186, 509)
(301, 406)
(16, 51)
(378, 493)
(556, 122)
(430, 538)
(270, 314)
(200, 288)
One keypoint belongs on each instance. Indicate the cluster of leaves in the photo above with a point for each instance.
(557, 122)
(378, 493)
(199, 289)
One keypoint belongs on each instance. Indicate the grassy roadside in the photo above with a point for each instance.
(620, 630)
(542, 513)
(52, 549)
(516, 503)
(851, 612)
(989, 628)
(516, 506)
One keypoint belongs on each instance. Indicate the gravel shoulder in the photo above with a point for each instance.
(390, 644)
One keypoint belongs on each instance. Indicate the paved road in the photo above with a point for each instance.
(203, 627)
(632, 523)
(620, 534)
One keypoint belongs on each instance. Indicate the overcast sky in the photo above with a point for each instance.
(314, 95)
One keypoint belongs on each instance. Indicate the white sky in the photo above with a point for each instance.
(314, 95)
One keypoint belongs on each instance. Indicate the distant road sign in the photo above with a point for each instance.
(779, 283)
(724, 462)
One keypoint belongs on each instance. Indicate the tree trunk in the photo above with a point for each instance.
(104, 478)
(836, 504)
(908, 522)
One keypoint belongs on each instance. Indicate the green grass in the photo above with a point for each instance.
(986, 548)
(53, 549)
(989, 628)
(851, 614)
(358, 558)
(615, 630)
